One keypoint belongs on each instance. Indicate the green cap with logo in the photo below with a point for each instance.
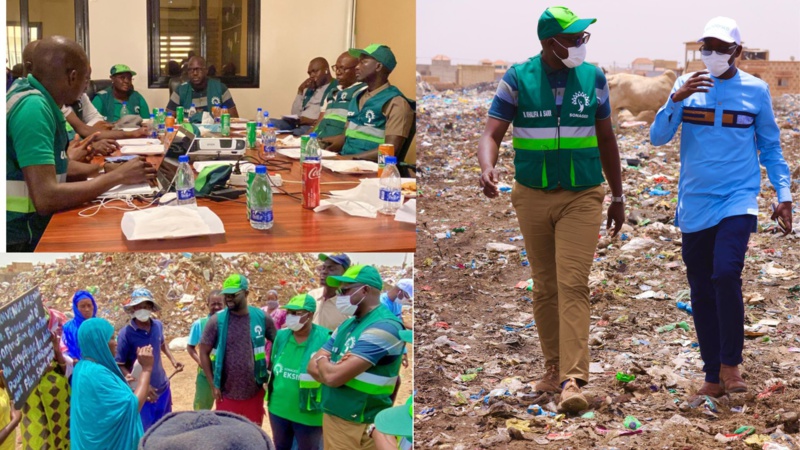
(301, 302)
(117, 69)
(234, 284)
(559, 19)
(397, 421)
(357, 274)
(381, 53)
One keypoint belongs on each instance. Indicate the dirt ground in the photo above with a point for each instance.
(478, 351)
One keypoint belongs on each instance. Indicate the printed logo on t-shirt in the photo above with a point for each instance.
(278, 370)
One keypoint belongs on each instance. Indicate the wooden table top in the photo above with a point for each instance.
(295, 229)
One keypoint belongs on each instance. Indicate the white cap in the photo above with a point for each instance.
(722, 28)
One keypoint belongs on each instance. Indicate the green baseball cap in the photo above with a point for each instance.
(117, 69)
(559, 19)
(357, 274)
(234, 284)
(407, 336)
(301, 302)
(397, 421)
(381, 53)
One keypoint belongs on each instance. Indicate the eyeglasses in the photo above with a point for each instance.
(342, 291)
(196, 69)
(342, 68)
(580, 40)
(707, 51)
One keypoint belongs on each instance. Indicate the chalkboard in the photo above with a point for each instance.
(25, 346)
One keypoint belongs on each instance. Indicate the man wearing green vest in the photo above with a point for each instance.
(240, 336)
(205, 93)
(360, 363)
(295, 398)
(41, 180)
(563, 143)
(333, 115)
(378, 114)
(203, 397)
(109, 101)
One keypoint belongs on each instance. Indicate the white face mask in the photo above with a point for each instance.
(293, 323)
(716, 64)
(142, 315)
(344, 306)
(575, 56)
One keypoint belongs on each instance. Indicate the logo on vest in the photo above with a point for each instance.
(349, 344)
(370, 116)
(278, 370)
(215, 101)
(344, 95)
(259, 331)
(581, 100)
(136, 109)
(537, 114)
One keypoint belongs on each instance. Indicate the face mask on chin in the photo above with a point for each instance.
(142, 315)
(344, 306)
(294, 323)
(716, 64)
(575, 55)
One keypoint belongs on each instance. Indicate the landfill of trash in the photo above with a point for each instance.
(477, 349)
(180, 282)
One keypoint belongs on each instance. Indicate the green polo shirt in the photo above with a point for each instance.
(136, 105)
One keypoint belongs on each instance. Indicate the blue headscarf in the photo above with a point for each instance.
(72, 327)
(104, 412)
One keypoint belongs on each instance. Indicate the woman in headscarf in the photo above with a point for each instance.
(45, 422)
(104, 412)
(84, 307)
(9, 418)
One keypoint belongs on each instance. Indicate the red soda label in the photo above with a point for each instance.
(311, 175)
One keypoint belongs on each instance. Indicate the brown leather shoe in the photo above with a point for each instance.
(550, 381)
(711, 389)
(730, 379)
(572, 400)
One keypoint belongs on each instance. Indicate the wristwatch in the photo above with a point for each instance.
(620, 199)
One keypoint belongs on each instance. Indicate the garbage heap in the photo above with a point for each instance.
(478, 351)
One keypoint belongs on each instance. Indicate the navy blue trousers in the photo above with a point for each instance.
(714, 260)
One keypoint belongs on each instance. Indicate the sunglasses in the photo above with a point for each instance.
(341, 291)
(580, 40)
(707, 52)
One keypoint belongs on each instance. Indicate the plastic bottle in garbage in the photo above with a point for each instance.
(184, 182)
(260, 200)
(312, 168)
(192, 111)
(124, 110)
(390, 185)
(268, 140)
(685, 306)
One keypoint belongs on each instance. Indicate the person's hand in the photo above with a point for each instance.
(104, 126)
(129, 378)
(78, 150)
(783, 213)
(307, 84)
(152, 396)
(616, 214)
(145, 357)
(217, 393)
(104, 147)
(178, 366)
(695, 83)
(136, 171)
(334, 143)
(138, 133)
(405, 360)
(16, 415)
(488, 181)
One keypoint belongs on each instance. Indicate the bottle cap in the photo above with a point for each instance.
(304, 138)
(170, 130)
(312, 135)
(169, 114)
(124, 103)
(390, 160)
(183, 158)
(261, 170)
(270, 125)
(192, 105)
(152, 116)
(160, 109)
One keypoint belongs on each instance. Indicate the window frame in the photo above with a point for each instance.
(249, 81)
(81, 23)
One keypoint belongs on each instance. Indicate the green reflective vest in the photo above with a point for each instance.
(214, 92)
(553, 150)
(362, 398)
(310, 389)
(366, 127)
(109, 104)
(333, 123)
(257, 337)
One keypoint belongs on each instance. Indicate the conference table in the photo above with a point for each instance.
(295, 228)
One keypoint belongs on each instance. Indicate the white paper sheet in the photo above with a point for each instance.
(170, 222)
(155, 149)
(294, 153)
(351, 166)
(408, 212)
(138, 141)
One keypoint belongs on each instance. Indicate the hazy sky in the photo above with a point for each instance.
(470, 30)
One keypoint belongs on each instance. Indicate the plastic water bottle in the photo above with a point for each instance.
(170, 130)
(390, 183)
(259, 199)
(152, 127)
(161, 117)
(184, 182)
(192, 112)
(269, 138)
(685, 306)
(124, 110)
(259, 118)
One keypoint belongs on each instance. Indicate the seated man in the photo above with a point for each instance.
(333, 115)
(378, 114)
(109, 101)
(309, 98)
(206, 93)
(41, 180)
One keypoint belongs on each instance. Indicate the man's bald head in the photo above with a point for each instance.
(346, 69)
(198, 72)
(62, 67)
(27, 57)
(318, 71)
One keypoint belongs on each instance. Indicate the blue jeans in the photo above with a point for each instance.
(285, 433)
(714, 260)
(153, 412)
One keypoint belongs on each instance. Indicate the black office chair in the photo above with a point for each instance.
(96, 86)
(403, 167)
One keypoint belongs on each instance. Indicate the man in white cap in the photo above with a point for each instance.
(394, 297)
(728, 128)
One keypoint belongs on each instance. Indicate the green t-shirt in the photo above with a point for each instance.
(136, 105)
(285, 396)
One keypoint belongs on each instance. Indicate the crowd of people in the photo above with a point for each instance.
(319, 385)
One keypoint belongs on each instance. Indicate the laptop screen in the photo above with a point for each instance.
(181, 143)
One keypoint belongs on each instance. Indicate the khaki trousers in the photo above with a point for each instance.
(340, 434)
(561, 232)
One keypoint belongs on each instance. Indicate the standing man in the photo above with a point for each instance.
(203, 397)
(393, 298)
(204, 92)
(239, 334)
(380, 113)
(360, 364)
(563, 143)
(143, 331)
(109, 101)
(333, 115)
(327, 314)
(728, 127)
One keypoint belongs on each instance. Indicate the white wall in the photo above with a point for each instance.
(292, 33)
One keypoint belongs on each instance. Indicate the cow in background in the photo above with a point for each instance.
(641, 96)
